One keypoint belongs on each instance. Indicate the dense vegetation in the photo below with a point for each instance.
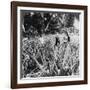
(50, 45)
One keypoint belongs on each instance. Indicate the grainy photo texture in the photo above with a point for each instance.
(49, 44)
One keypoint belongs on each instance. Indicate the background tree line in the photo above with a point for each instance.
(38, 23)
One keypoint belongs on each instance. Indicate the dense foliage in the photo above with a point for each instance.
(50, 45)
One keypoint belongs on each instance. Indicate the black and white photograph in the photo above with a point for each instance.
(49, 44)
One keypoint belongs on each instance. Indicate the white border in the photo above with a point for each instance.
(51, 79)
